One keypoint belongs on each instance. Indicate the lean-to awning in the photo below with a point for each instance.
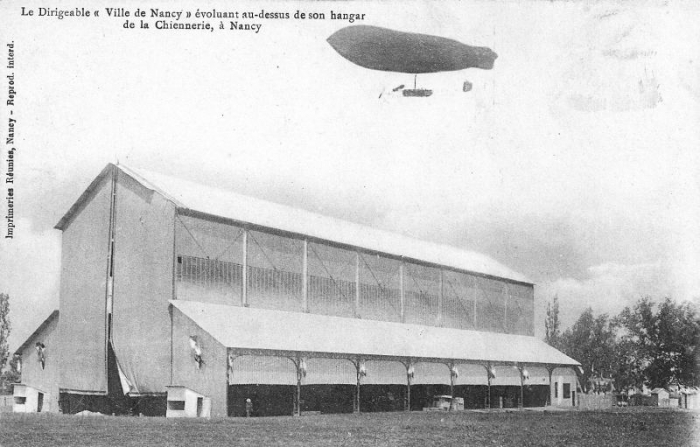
(273, 330)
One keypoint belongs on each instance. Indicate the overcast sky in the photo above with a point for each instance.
(574, 161)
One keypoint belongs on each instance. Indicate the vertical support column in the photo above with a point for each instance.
(357, 284)
(440, 297)
(522, 384)
(523, 376)
(230, 359)
(453, 376)
(305, 277)
(489, 376)
(109, 292)
(402, 292)
(359, 371)
(297, 396)
(505, 308)
(550, 399)
(244, 270)
(475, 296)
(409, 379)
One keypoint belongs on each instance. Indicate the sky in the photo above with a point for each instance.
(574, 161)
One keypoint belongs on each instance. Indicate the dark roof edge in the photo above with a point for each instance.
(78, 205)
(38, 330)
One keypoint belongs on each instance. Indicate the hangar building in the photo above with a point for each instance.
(186, 300)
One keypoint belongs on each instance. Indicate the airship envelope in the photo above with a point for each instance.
(388, 50)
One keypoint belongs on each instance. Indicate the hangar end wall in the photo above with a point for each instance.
(208, 379)
(84, 257)
(143, 284)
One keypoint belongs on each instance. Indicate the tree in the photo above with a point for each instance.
(636, 343)
(591, 341)
(4, 334)
(551, 324)
(10, 376)
(4, 328)
(660, 345)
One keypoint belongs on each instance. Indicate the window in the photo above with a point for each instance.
(177, 405)
(567, 391)
(556, 389)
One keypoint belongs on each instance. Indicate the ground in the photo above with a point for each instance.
(626, 426)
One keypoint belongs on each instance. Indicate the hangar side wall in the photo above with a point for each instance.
(210, 379)
(43, 379)
(84, 256)
(143, 284)
(340, 281)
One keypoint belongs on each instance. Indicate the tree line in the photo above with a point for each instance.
(10, 376)
(648, 343)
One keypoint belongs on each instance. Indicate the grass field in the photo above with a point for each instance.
(629, 427)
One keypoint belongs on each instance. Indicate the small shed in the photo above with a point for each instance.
(28, 399)
(186, 403)
(660, 397)
(639, 400)
(690, 399)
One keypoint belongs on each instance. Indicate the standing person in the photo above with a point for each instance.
(248, 407)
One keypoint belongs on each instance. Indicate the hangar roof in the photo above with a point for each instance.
(192, 197)
(31, 339)
(258, 329)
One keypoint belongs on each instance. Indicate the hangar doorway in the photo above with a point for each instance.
(267, 400)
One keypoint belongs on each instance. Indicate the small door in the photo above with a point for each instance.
(200, 405)
(40, 402)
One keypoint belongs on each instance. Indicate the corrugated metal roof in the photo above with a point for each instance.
(249, 328)
(190, 196)
(227, 204)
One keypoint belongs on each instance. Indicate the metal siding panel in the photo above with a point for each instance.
(331, 280)
(490, 305)
(321, 371)
(471, 374)
(520, 310)
(422, 289)
(458, 301)
(431, 374)
(506, 375)
(209, 261)
(82, 347)
(379, 288)
(263, 370)
(143, 281)
(274, 271)
(538, 376)
(384, 373)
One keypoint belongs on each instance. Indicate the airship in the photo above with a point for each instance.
(384, 49)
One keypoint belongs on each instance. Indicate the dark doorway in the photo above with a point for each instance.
(268, 400)
(474, 395)
(422, 395)
(328, 398)
(382, 398)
